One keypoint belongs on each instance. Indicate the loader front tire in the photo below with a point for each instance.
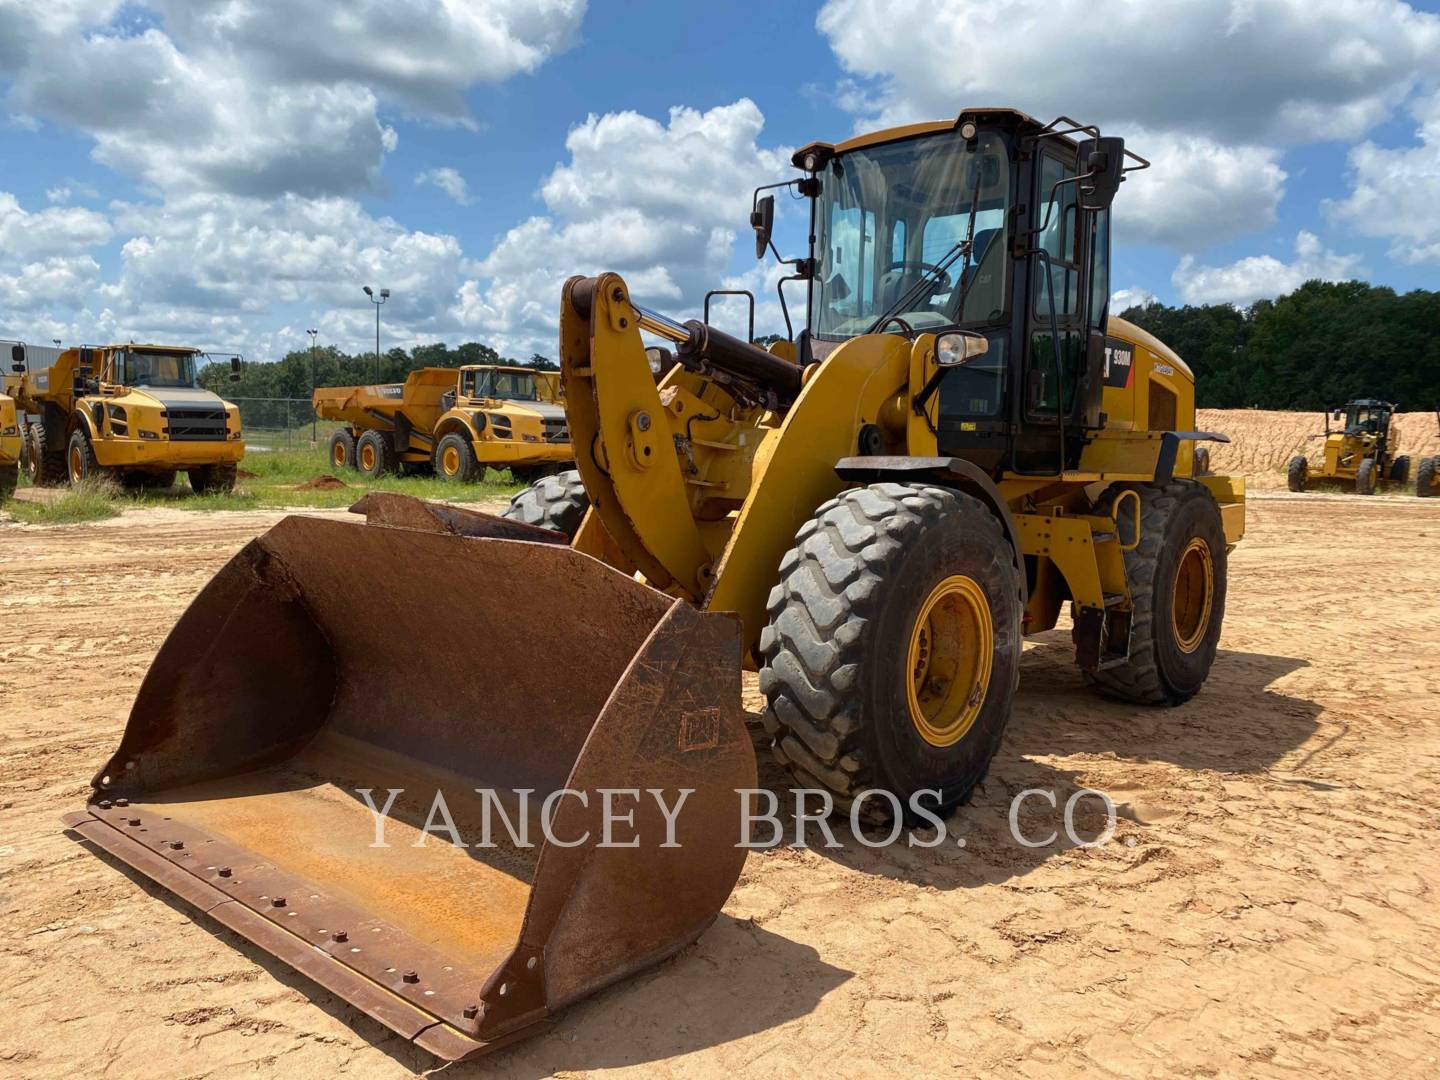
(892, 653)
(1177, 578)
(46, 462)
(1365, 477)
(455, 459)
(342, 450)
(1298, 475)
(375, 454)
(1425, 477)
(213, 479)
(557, 502)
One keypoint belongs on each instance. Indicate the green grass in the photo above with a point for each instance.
(276, 475)
(94, 500)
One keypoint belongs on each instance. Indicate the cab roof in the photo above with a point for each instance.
(907, 131)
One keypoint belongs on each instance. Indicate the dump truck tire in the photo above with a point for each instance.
(213, 479)
(1425, 477)
(9, 481)
(1400, 469)
(80, 460)
(342, 450)
(47, 463)
(1365, 477)
(1177, 578)
(849, 708)
(557, 502)
(1298, 474)
(455, 459)
(375, 454)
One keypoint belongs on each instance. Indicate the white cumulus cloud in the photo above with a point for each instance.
(1258, 277)
(56, 230)
(447, 180)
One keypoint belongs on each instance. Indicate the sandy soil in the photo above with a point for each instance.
(1268, 904)
(1263, 441)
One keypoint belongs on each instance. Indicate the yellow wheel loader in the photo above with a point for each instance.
(959, 445)
(130, 412)
(11, 447)
(1362, 452)
(454, 421)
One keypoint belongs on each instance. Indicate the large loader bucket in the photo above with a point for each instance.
(331, 666)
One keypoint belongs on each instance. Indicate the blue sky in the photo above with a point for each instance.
(230, 172)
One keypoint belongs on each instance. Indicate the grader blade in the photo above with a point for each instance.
(520, 713)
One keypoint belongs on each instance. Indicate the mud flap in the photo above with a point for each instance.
(480, 689)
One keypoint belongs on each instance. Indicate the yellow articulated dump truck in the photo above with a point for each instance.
(11, 447)
(959, 446)
(132, 412)
(456, 421)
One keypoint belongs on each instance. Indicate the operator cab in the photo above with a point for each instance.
(993, 224)
(1367, 417)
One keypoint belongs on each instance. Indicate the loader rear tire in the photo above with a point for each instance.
(1177, 578)
(47, 463)
(1399, 470)
(342, 450)
(1425, 477)
(1365, 477)
(213, 479)
(1298, 475)
(892, 652)
(9, 481)
(375, 454)
(557, 502)
(455, 459)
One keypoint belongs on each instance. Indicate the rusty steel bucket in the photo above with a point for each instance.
(331, 663)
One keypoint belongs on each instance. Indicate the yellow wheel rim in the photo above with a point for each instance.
(77, 465)
(951, 651)
(450, 461)
(337, 453)
(367, 457)
(1194, 595)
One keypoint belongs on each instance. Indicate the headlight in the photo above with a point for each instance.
(479, 421)
(148, 434)
(11, 430)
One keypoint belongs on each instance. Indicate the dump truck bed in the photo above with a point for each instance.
(376, 404)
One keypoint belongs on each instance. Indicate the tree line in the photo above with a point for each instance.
(1322, 345)
(297, 373)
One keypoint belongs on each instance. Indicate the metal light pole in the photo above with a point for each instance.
(384, 295)
(314, 435)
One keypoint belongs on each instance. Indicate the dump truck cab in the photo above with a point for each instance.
(134, 412)
(1361, 450)
(458, 421)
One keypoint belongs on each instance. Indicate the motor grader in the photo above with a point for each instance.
(1360, 452)
(456, 421)
(959, 445)
(132, 412)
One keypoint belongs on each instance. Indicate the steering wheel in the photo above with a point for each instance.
(942, 281)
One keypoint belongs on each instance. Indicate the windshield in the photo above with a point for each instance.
(510, 385)
(158, 369)
(887, 214)
(1368, 419)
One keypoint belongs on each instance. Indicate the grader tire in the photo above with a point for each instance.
(1298, 475)
(1399, 470)
(342, 450)
(836, 670)
(557, 502)
(1172, 647)
(47, 463)
(1425, 477)
(1365, 477)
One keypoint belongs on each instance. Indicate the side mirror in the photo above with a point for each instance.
(235, 365)
(17, 358)
(661, 361)
(762, 220)
(1104, 160)
(1339, 414)
(958, 348)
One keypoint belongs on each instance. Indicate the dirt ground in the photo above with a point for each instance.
(1267, 905)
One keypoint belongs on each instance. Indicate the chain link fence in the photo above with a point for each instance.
(281, 423)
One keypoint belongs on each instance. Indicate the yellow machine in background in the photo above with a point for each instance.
(10, 447)
(134, 412)
(1427, 474)
(958, 446)
(456, 421)
(1362, 452)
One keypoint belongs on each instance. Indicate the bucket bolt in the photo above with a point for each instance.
(177, 845)
(340, 936)
(105, 804)
(471, 1011)
(411, 977)
(122, 802)
(278, 901)
(224, 871)
(134, 821)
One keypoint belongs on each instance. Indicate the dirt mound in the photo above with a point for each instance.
(1262, 441)
(322, 483)
(245, 474)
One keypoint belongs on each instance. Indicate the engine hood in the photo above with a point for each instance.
(180, 397)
